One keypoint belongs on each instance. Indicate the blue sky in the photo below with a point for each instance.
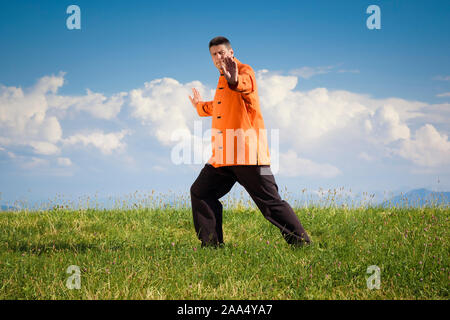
(371, 106)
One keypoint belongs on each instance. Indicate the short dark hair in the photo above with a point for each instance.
(220, 40)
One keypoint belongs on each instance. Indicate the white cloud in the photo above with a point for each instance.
(428, 148)
(274, 89)
(159, 168)
(293, 165)
(128, 160)
(96, 104)
(306, 116)
(44, 148)
(435, 113)
(365, 156)
(310, 122)
(9, 153)
(64, 162)
(105, 142)
(34, 163)
(348, 71)
(386, 125)
(23, 116)
(49, 84)
(320, 119)
(163, 105)
(444, 94)
(308, 72)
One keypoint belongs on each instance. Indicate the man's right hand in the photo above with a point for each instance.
(197, 98)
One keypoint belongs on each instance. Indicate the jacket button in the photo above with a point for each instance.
(220, 132)
(218, 102)
(218, 117)
(220, 88)
(220, 147)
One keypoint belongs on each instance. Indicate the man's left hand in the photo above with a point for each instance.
(230, 70)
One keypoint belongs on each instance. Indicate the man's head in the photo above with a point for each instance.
(220, 47)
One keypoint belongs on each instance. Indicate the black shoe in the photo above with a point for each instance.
(213, 245)
(296, 241)
(300, 244)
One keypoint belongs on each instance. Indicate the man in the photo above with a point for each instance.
(237, 116)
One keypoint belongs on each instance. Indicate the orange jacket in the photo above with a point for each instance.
(238, 134)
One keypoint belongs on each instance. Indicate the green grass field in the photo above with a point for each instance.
(152, 253)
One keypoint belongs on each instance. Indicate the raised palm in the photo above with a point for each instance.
(197, 97)
(230, 69)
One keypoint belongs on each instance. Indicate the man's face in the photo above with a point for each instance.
(218, 53)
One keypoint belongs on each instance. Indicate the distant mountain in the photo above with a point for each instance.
(8, 208)
(413, 198)
(418, 198)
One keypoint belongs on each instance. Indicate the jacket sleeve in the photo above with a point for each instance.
(246, 80)
(205, 109)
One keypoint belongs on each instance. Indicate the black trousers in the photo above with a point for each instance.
(213, 183)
